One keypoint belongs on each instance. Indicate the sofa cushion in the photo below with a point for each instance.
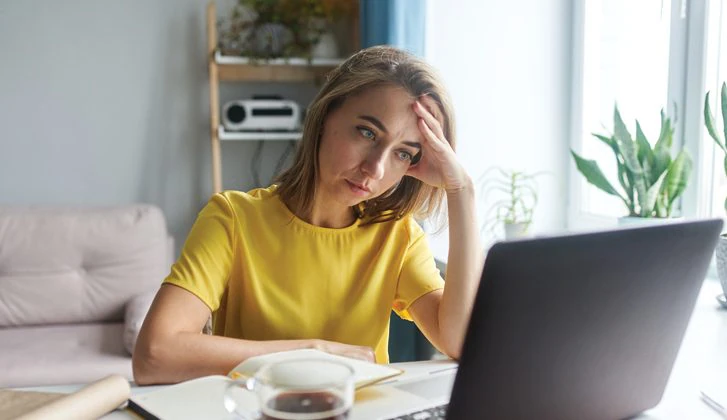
(70, 265)
(62, 354)
(136, 310)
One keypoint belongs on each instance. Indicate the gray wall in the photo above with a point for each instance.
(106, 102)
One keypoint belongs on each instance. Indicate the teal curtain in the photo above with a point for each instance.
(399, 23)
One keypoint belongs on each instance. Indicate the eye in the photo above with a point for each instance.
(366, 133)
(404, 155)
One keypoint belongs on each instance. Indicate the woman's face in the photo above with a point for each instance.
(367, 146)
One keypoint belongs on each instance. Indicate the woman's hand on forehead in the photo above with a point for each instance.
(438, 165)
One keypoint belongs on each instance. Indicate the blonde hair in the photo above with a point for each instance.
(370, 67)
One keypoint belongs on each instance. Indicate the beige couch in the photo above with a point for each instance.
(75, 285)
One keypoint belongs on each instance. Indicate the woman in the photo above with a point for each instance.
(319, 259)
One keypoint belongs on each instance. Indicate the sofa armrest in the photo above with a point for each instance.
(135, 312)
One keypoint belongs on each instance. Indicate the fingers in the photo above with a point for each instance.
(433, 107)
(428, 116)
(348, 350)
(362, 353)
(433, 140)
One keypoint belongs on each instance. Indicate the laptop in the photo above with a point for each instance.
(584, 326)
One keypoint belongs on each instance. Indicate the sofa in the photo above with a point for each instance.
(75, 286)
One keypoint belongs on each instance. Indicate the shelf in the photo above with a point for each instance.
(293, 61)
(235, 68)
(242, 69)
(257, 135)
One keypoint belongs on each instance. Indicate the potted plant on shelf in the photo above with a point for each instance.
(515, 198)
(265, 29)
(650, 179)
(719, 138)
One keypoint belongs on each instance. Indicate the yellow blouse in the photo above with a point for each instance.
(267, 275)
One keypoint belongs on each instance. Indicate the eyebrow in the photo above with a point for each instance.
(375, 121)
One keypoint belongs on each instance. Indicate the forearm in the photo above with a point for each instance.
(464, 267)
(187, 355)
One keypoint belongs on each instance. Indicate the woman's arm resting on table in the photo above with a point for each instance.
(171, 347)
(443, 315)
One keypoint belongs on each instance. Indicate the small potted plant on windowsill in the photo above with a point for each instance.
(515, 198)
(719, 138)
(650, 179)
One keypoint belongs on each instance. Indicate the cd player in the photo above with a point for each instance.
(261, 113)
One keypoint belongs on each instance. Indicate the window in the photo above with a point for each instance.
(630, 53)
(715, 188)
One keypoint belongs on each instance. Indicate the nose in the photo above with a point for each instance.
(373, 165)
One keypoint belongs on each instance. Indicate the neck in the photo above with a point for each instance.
(330, 216)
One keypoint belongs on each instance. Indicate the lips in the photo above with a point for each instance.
(358, 188)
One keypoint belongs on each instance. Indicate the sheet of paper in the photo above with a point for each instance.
(15, 403)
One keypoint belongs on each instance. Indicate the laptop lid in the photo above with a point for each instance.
(584, 326)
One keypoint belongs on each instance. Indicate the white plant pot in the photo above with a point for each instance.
(646, 221)
(721, 257)
(515, 230)
(327, 46)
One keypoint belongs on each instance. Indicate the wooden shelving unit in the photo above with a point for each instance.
(240, 69)
(223, 135)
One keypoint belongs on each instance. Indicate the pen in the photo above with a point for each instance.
(714, 405)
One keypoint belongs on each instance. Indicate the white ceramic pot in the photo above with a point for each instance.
(516, 230)
(721, 256)
(646, 221)
(327, 47)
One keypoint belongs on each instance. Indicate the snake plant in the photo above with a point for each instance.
(649, 178)
(719, 137)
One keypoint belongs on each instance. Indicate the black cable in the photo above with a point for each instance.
(284, 157)
(255, 164)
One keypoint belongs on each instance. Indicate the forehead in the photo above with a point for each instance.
(392, 105)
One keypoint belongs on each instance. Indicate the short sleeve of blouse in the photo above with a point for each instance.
(204, 265)
(419, 274)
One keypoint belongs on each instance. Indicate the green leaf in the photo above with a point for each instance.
(725, 164)
(627, 148)
(662, 150)
(709, 123)
(723, 95)
(623, 175)
(660, 209)
(592, 172)
(627, 182)
(666, 134)
(649, 203)
(643, 144)
(608, 140)
(646, 156)
(677, 178)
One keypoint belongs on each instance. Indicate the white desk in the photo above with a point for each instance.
(701, 365)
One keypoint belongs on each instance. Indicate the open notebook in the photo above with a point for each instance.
(202, 397)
